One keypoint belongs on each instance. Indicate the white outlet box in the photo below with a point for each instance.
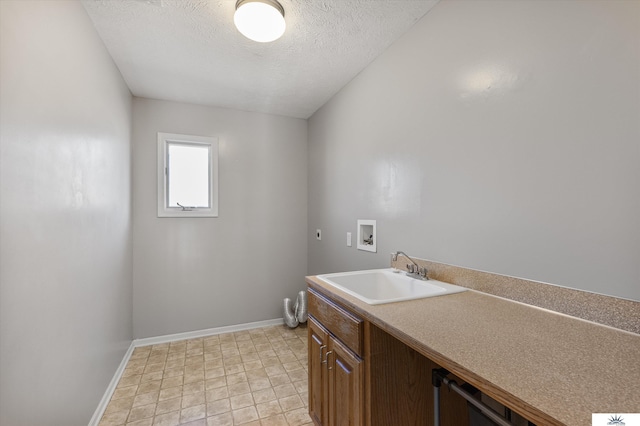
(348, 239)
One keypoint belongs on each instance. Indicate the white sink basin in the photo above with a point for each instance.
(378, 286)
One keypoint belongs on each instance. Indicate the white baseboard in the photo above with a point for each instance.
(102, 406)
(203, 333)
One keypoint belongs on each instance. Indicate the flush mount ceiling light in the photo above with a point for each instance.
(260, 20)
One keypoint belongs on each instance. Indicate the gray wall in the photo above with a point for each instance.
(65, 217)
(198, 273)
(501, 136)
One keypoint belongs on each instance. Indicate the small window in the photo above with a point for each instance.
(187, 176)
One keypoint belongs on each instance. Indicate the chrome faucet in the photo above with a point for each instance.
(412, 268)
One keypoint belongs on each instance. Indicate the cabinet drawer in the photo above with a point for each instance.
(342, 324)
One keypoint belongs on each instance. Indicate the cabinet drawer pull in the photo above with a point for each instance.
(323, 347)
(326, 360)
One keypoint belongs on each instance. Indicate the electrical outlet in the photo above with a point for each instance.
(348, 239)
(318, 234)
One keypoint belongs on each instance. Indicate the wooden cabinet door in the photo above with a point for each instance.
(346, 390)
(318, 380)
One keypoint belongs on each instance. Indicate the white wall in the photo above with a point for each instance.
(198, 273)
(501, 136)
(65, 215)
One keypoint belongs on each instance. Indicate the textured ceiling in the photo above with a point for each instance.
(190, 51)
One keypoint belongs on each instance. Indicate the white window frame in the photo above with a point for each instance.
(163, 141)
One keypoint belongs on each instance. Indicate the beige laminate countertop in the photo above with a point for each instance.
(541, 364)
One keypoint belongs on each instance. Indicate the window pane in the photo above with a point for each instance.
(188, 175)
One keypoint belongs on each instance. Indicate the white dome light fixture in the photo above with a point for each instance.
(260, 20)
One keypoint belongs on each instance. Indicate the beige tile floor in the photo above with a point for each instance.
(256, 378)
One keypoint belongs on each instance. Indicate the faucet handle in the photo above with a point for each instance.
(411, 268)
(423, 273)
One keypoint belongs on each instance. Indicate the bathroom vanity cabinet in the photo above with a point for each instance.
(361, 375)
